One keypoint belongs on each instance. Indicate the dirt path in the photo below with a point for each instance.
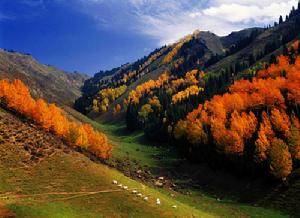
(75, 194)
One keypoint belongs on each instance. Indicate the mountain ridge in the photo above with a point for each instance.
(222, 58)
(44, 81)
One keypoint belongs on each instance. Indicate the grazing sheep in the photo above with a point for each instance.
(125, 187)
(146, 199)
(174, 206)
(134, 191)
(157, 201)
(120, 185)
(115, 182)
(139, 195)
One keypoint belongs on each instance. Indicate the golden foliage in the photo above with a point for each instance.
(169, 57)
(16, 95)
(105, 96)
(135, 95)
(180, 96)
(281, 161)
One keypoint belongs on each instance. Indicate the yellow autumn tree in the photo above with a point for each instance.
(281, 160)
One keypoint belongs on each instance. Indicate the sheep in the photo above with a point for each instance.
(157, 201)
(134, 191)
(174, 206)
(115, 182)
(139, 195)
(120, 185)
(125, 187)
(146, 198)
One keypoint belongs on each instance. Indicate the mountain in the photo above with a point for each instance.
(44, 81)
(223, 59)
(234, 37)
(179, 88)
(199, 46)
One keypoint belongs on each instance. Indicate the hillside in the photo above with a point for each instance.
(232, 54)
(205, 45)
(45, 178)
(44, 81)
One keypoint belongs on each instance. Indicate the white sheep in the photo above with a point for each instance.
(146, 198)
(139, 195)
(120, 185)
(134, 191)
(174, 206)
(125, 187)
(157, 201)
(115, 182)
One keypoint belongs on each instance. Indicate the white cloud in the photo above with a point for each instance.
(246, 13)
(169, 20)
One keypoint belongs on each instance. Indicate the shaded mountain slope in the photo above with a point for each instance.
(234, 37)
(264, 44)
(44, 81)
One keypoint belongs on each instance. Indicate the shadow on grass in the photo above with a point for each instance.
(216, 183)
(201, 178)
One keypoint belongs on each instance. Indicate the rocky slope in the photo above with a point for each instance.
(44, 81)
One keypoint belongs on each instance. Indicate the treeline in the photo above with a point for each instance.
(255, 125)
(104, 97)
(17, 96)
(157, 105)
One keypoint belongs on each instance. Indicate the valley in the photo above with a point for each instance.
(206, 126)
(64, 181)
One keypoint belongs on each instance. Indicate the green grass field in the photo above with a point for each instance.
(68, 184)
(137, 152)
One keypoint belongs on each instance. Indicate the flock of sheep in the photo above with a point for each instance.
(135, 192)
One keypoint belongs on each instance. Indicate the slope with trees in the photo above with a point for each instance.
(15, 95)
(255, 124)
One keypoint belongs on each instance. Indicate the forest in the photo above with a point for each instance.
(255, 124)
(244, 117)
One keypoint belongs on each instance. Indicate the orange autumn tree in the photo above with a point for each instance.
(117, 109)
(263, 142)
(281, 161)
(252, 113)
(16, 96)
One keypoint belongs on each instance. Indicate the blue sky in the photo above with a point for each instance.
(93, 35)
